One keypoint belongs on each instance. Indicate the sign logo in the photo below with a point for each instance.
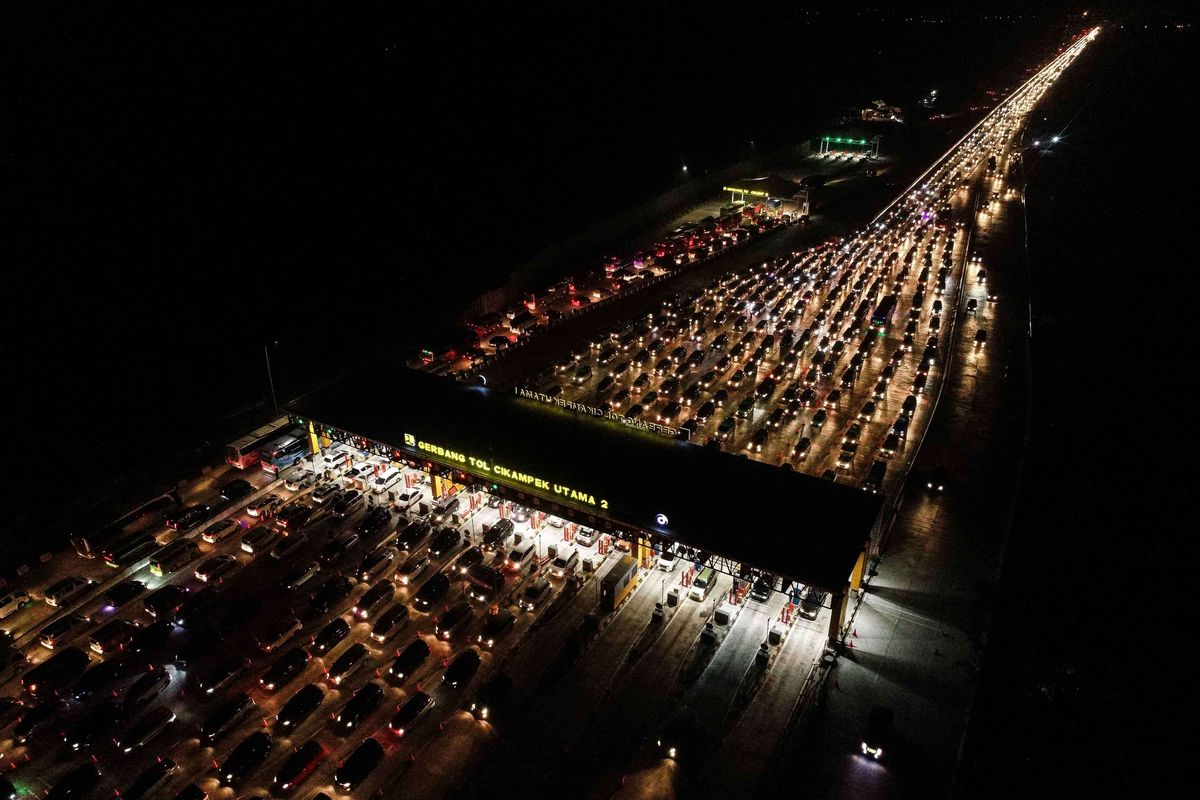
(662, 520)
(410, 440)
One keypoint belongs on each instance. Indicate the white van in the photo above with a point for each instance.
(566, 562)
(520, 554)
(702, 584)
(386, 480)
(667, 559)
(333, 462)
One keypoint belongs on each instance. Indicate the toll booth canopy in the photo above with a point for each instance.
(603, 474)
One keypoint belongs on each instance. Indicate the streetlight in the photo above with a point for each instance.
(1054, 139)
(270, 378)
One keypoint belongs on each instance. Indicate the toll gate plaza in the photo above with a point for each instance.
(740, 517)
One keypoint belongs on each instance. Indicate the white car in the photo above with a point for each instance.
(13, 602)
(265, 506)
(556, 522)
(408, 499)
(586, 537)
(386, 480)
(300, 479)
(667, 559)
(220, 531)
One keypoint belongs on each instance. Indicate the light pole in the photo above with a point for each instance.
(270, 378)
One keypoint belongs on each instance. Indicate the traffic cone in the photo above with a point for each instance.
(854, 633)
(849, 644)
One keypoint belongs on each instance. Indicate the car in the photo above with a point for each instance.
(586, 537)
(390, 622)
(935, 480)
(293, 517)
(278, 632)
(338, 546)
(811, 602)
(226, 717)
(220, 531)
(299, 765)
(408, 499)
(329, 594)
(412, 534)
(374, 599)
(258, 540)
(444, 542)
(13, 602)
(376, 520)
(462, 669)
(79, 783)
(852, 433)
(215, 569)
(65, 590)
(100, 725)
(762, 588)
(457, 617)
(980, 339)
(758, 440)
(288, 545)
(910, 405)
(187, 517)
(802, 448)
(327, 494)
(265, 506)
(409, 714)
(468, 559)
(492, 697)
(300, 707)
(725, 429)
(203, 642)
(164, 603)
(113, 637)
(348, 503)
(349, 662)
(359, 765)
(431, 591)
(236, 489)
(409, 660)
(36, 717)
(103, 675)
(151, 780)
(413, 566)
(358, 708)
(375, 563)
(494, 627)
(62, 629)
(285, 669)
(146, 688)
(245, 758)
(520, 514)
(223, 673)
(148, 639)
(300, 574)
(298, 480)
(328, 637)
(877, 731)
(150, 725)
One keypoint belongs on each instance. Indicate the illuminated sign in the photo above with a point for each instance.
(662, 520)
(603, 413)
(751, 192)
(506, 473)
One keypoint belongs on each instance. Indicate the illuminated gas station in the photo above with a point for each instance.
(642, 490)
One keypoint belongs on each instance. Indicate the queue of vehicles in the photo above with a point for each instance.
(116, 686)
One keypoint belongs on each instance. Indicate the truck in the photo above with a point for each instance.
(617, 583)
